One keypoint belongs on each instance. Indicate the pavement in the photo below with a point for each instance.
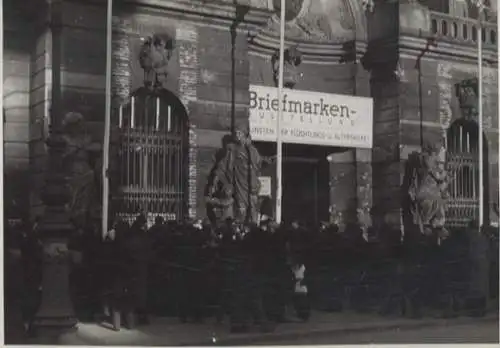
(170, 332)
(474, 334)
(333, 327)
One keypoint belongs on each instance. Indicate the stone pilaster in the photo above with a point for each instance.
(343, 193)
(364, 178)
(187, 43)
(364, 186)
(121, 82)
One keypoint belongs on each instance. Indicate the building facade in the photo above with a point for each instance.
(412, 61)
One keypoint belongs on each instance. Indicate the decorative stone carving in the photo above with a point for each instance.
(79, 163)
(445, 73)
(55, 310)
(425, 190)
(467, 93)
(154, 57)
(459, 8)
(292, 60)
(318, 21)
(187, 46)
(233, 186)
(292, 8)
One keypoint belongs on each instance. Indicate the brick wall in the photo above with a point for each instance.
(450, 73)
(440, 107)
(218, 106)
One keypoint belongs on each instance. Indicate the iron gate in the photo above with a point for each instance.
(152, 156)
(463, 162)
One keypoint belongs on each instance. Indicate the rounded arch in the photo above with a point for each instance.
(178, 112)
(463, 161)
(153, 156)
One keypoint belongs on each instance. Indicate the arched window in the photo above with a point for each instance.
(153, 156)
(463, 162)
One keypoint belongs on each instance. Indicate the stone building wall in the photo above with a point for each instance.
(202, 75)
(24, 112)
(16, 118)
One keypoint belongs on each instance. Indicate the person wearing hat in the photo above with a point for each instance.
(137, 251)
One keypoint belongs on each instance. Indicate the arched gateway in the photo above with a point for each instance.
(463, 156)
(153, 156)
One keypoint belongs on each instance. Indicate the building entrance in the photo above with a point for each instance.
(305, 181)
(305, 190)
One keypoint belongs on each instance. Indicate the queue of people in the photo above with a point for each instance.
(246, 273)
(255, 276)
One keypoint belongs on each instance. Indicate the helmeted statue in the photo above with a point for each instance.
(154, 57)
(425, 192)
(233, 186)
(292, 60)
(80, 167)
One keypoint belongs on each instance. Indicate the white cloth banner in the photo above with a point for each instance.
(311, 118)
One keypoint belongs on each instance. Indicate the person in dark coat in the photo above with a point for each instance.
(224, 261)
(157, 273)
(32, 258)
(137, 251)
(249, 280)
(112, 273)
(278, 273)
(190, 276)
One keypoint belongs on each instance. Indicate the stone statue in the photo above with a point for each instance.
(79, 161)
(425, 190)
(292, 60)
(233, 186)
(154, 57)
(459, 9)
(467, 94)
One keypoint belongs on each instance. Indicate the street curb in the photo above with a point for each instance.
(254, 339)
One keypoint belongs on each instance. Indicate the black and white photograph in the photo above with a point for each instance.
(250, 172)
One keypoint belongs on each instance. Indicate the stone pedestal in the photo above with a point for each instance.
(56, 310)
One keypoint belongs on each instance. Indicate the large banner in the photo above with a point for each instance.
(311, 118)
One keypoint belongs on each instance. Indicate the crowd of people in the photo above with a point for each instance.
(256, 276)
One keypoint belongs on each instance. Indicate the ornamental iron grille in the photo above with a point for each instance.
(463, 165)
(153, 156)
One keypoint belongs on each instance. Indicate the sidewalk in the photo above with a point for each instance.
(169, 332)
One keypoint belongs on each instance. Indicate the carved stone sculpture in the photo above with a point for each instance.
(292, 8)
(292, 60)
(425, 191)
(154, 57)
(467, 93)
(80, 167)
(233, 187)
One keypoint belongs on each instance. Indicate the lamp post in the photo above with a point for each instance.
(279, 145)
(480, 6)
(107, 119)
(56, 309)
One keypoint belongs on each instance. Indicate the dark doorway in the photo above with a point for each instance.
(306, 177)
(305, 190)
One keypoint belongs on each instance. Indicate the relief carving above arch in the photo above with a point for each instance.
(320, 21)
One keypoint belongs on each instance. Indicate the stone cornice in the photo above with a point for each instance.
(222, 12)
(410, 45)
(313, 53)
